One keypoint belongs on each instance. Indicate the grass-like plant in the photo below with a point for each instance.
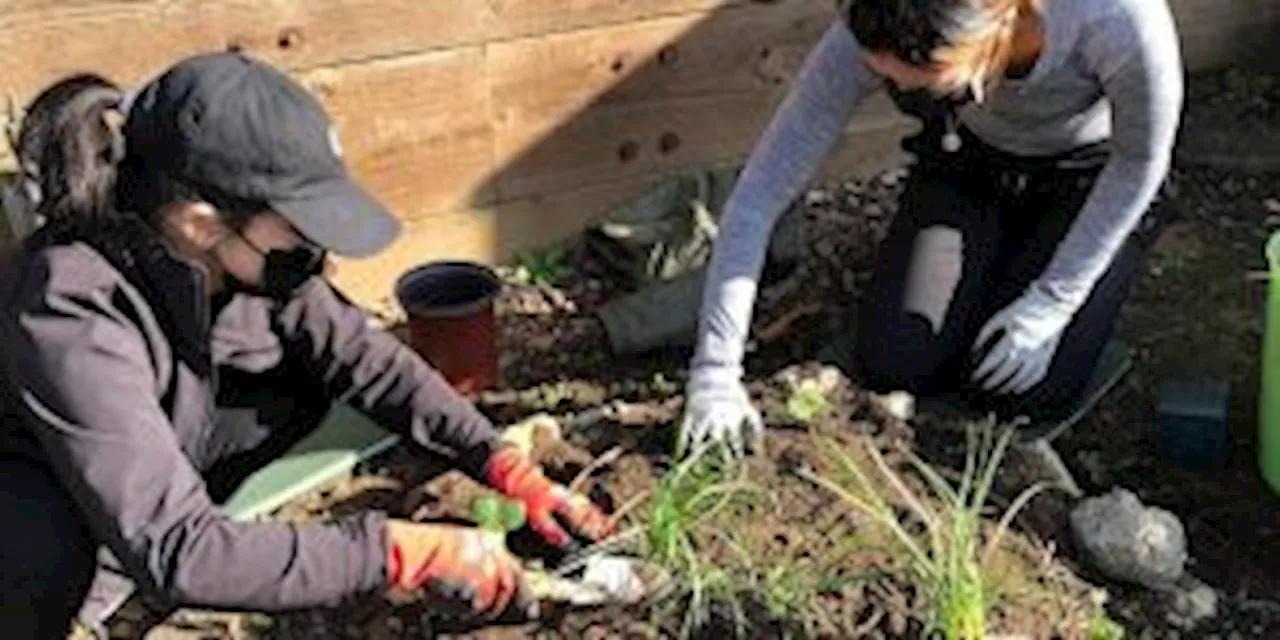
(687, 496)
(947, 559)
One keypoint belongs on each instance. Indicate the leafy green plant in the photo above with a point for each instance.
(807, 401)
(947, 559)
(545, 267)
(788, 591)
(498, 515)
(1101, 626)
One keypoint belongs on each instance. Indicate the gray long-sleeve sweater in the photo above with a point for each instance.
(1110, 71)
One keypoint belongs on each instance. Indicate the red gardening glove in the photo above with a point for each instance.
(460, 563)
(513, 474)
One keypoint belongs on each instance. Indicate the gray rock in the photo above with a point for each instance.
(1129, 542)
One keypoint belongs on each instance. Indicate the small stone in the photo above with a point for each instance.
(1130, 542)
(828, 380)
(1272, 205)
(899, 404)
(873, 211)
(1192, 604)
(897, 624)
(893, 177)
(817, 197)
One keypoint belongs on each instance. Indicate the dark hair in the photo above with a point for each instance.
(68, 147)
(71, 146)
(912, 29)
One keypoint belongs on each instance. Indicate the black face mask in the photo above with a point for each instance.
(284, 272)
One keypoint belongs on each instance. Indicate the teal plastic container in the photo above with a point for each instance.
(1269, 394)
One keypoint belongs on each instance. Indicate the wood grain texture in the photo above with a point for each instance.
(523, 18)
(642, 98)
(497, 125)
(415, 129)
(130, 41)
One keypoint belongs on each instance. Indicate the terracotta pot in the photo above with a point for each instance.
(451, 320)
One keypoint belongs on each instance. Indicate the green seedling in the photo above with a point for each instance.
(498, 515)
(543, 268)
(947, 560)
(807, 402)
(1101, 626)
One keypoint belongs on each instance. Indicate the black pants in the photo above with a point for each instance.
(973, 230)
(50, 567)
(46, 553)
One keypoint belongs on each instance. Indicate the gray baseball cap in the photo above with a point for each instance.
(230, 122)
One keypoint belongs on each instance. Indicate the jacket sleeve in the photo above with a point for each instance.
(1134, 51)
(88, 386)
(829, 86)
(377, 374)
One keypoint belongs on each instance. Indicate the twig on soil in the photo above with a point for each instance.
(779, 327)
(870, 625)
(629, 505)
(603, 460)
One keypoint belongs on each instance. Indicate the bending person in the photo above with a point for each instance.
(168, 330)
(1047, 131)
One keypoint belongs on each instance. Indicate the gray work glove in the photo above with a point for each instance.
(718, 413)
(1032, 327)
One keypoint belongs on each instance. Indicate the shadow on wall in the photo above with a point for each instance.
(593, 117)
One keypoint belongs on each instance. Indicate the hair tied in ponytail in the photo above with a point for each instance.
(70, 143)
(113, 118)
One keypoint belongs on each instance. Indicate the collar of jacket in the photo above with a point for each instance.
(173, 287)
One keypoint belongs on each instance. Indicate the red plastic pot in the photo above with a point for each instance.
(451, 320)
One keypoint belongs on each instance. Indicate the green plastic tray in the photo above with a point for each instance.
(343, 440)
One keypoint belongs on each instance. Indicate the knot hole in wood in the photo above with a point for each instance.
(628, 151)
(289, 38)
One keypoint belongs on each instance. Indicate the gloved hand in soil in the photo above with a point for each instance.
(718, 411)
(511, 472)
(464, 564)
(1030, 329)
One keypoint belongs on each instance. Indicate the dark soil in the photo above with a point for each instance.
(1196, 313)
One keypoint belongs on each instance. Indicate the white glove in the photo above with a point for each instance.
(1032, 326)
(718, 411)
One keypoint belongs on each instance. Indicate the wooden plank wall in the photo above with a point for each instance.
(504, 124)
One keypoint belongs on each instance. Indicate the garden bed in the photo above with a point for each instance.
(799, 560)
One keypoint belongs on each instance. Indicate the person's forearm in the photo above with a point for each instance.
(810, 120)
(1145, 90)
(383, 378)
(1121, 196)
(217, 563)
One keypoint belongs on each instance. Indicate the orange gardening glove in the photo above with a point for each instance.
(471, 565)
(512, 473)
